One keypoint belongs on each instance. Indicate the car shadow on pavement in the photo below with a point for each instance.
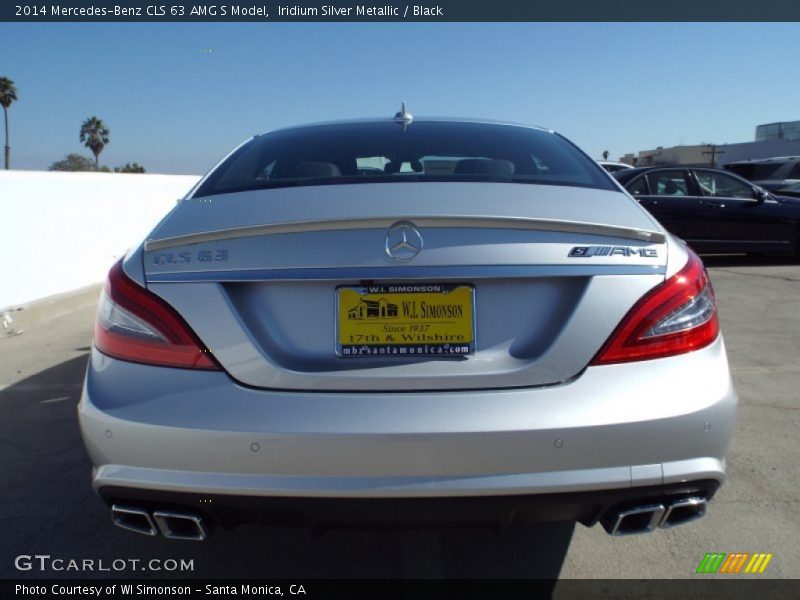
(47, 507)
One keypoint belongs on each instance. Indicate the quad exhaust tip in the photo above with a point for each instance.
(133, 519)
(646, 518)
(684, 511)
(640, 519)
(180, 526)
(172, 525)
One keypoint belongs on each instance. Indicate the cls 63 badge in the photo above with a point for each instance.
(176, 258)
(589, 251)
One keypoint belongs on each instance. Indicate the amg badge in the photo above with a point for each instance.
(588, 251)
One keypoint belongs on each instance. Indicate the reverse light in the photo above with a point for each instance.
(678, 316)
(136, 325)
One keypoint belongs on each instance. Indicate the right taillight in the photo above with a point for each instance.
(678, 316)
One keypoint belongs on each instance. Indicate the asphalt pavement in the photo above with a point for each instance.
(47, 506)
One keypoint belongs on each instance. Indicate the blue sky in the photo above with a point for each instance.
(177, 97)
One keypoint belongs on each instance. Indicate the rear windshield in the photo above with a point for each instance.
(379, 152)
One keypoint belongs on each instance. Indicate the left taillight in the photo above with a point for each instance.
(136, 325)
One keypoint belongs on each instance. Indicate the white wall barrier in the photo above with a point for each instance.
(63, 231)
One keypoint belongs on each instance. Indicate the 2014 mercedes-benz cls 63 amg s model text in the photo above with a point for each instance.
(405, 321)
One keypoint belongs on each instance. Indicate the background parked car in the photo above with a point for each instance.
(773, 174)
(715, 211)
(793, 191)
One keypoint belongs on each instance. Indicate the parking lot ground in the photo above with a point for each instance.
(47, 506)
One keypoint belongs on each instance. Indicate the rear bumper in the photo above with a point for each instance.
(170, 433)
(229, 511)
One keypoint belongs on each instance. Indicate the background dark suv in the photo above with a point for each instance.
(773, 174)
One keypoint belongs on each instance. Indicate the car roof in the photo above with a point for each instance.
(410, 124)
(774, 159)
(628, 174)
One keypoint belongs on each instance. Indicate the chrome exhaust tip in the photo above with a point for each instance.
(180, 526)
(133, 519)
(684, 511)
(640, 519)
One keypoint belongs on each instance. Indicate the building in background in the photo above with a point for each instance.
(772, 139)
(785, 130)
(701, 155)
(757, 150)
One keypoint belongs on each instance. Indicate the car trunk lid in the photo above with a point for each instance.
(545, 273)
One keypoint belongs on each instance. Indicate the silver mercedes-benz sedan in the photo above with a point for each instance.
(407, 321)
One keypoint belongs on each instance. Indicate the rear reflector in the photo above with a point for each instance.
(678, 316)
(136, 325)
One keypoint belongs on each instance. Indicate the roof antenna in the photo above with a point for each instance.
(403, 117)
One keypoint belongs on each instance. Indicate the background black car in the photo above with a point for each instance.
(773, 174)
(793, 191)
(715, 211)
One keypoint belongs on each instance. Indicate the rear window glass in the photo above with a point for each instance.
(375, 152)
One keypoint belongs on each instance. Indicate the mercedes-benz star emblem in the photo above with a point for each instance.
(403, 241)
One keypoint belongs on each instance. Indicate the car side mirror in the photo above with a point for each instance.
(761, 196)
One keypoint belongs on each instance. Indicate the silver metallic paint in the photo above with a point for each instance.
(620, 425)
(280, 334)
(379, 205)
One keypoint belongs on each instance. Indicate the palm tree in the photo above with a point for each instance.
(94, 135)
(8, 93)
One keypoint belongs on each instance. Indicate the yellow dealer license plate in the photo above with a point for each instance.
(405, 320)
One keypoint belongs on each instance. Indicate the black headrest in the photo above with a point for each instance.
(317, 169)
(484, 166)
(393, 166)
